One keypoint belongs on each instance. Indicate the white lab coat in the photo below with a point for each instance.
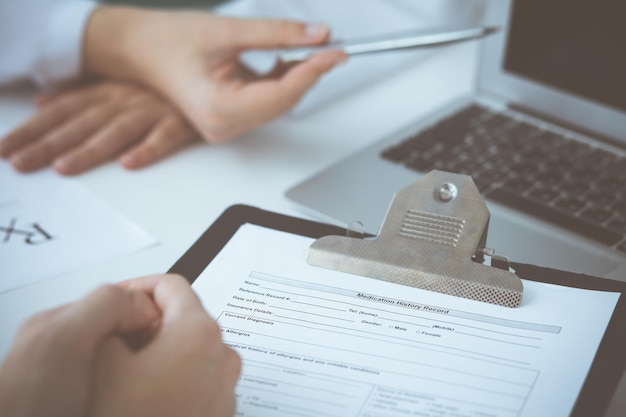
(41, 40)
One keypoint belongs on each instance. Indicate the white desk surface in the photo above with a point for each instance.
(177, 199)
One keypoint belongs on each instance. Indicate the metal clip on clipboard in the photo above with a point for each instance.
(433, 237)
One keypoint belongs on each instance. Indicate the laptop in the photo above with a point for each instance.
(543, 137)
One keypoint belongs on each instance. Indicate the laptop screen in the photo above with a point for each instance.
(576, 46)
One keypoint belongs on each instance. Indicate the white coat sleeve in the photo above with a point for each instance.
(41, 40)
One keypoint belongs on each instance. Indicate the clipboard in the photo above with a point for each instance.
(608, 365)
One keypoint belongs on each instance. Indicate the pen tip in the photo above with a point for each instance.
(491, 29)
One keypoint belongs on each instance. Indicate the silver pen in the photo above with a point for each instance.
(391, 41)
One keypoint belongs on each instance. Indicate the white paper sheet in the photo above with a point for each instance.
(316, 342)
(50, 225)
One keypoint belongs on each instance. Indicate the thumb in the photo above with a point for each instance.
(267, 34)
(287, 90)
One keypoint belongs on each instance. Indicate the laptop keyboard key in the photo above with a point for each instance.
(597, 215)
(545, 195)
(520, 185)
(583, 175)
(575, 188)
(610, 184)
(600, 198)
(571, 204)
(619, 206)
(618, 224)
(549, 178)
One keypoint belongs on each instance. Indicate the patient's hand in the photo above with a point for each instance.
(50, 368)
(144, 347)
(185, 370)
(79, 128)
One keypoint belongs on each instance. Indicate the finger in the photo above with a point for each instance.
(232, 365)
(122, 131)
(78, 86)
(167, 136)
(36, 324)
(280, 69)
(106, 311)
(48, 118)
(171, 292)
(300, 78)
(264, 100)
(265, 33)
(67, 135)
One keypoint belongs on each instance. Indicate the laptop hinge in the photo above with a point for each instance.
(568, 126)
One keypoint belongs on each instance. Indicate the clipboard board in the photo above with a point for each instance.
(609, 362)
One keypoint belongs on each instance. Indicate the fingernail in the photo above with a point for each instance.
(22, 160)
(65, 164)
(316, 30)
(130, 160)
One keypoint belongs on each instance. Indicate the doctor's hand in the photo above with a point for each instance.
(50, 369)
(185, 369)
(81, 127)
(192, 58)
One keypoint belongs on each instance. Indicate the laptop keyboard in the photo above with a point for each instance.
(542, 173)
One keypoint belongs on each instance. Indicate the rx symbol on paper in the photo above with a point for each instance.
(34, 234)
